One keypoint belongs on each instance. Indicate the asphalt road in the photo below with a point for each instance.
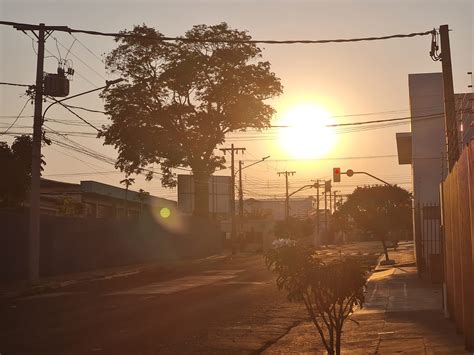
(227, 305)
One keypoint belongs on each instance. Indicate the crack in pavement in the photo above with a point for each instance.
(269, 343)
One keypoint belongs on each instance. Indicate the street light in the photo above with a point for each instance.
(241, 192)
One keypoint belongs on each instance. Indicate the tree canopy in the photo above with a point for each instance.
(16, 171)
(179, 99)
(379, 209)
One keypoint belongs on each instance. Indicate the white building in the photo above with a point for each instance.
(425, 149)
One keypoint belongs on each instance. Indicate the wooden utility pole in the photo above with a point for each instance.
(232, 150)
(34, 232)
(34, 221)
(287, 200)
(325, 210)
(327, 189)
(241, 198)
(317, 208)
(452, 139)
(334, 196)
(330, 203)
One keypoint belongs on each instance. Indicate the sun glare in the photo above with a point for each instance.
(307, 134)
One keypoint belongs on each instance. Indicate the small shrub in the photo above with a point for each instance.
(330, 290)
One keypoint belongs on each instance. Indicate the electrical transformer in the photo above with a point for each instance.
(56, 85)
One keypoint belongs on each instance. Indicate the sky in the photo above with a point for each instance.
(348, 82)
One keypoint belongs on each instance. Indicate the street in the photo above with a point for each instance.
(222, 307)
(226, 305)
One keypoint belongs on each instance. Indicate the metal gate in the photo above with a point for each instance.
(428, 238)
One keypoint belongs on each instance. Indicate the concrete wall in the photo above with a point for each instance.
(70, 245)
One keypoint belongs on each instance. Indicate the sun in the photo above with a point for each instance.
(307, 134)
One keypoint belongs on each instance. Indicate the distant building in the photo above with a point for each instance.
(95, 200)
(299, 207)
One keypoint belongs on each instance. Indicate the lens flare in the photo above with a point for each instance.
(169, 218)
(165, 212)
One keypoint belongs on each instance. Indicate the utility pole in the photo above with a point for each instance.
(326, 210)
(241, 198)
(317, 207)
(34, 221)
(287, 200)
(232, 150)
(241, 190)
(327, 189)
(449, 103)
(334, 195)
(34, 235)
(330, 203)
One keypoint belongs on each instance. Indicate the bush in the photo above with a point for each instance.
(330, 290)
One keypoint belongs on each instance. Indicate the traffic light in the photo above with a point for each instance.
(336, 174)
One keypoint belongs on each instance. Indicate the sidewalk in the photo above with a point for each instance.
(402, 314)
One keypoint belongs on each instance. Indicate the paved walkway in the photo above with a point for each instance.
(402, 314)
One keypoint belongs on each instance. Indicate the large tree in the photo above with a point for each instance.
(16, 171)
(378, 210)
(179, 100)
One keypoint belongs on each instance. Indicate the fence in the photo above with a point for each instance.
(428, 239)
(458, 222)
(80, 244)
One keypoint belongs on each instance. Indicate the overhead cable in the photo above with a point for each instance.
(21, 26)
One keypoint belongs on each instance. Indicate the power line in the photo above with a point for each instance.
(80, 60)
(85, 173)
(16, 119)
(21, 26)
(15, 84)
(77, 115)
(87, 48)
(85, 109)
(298, 41)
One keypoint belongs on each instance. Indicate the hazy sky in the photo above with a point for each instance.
(344, 79)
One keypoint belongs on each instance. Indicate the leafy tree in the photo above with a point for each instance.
(378, 210)
(16, 171)
(330, 291)
(179, 100)
(295, 228)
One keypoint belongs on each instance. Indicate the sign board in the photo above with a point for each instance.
(220, 194)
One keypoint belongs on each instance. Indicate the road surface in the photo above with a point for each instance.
(227, 305)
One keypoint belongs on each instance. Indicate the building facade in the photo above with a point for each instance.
(424, 147)
(96, 200)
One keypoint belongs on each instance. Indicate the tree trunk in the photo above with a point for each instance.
(385, 249)
(201, 194)
(338, 340)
